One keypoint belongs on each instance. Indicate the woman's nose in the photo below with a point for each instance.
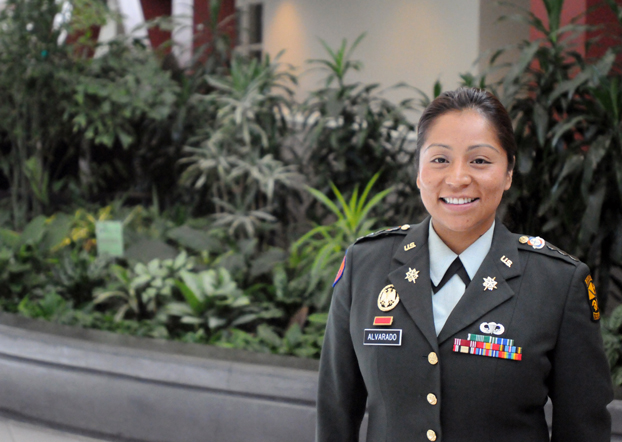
(458, 175)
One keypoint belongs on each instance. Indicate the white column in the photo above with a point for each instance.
(132, 13)
(61, 18)
(183, 13)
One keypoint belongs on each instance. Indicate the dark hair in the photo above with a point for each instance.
(470, 98)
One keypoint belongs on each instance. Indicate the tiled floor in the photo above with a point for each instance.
(14, 431)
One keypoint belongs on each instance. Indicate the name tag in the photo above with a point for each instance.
(382, 337)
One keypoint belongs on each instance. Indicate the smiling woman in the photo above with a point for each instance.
(490, 324)
(463, 172)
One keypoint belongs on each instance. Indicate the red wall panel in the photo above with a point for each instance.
(609, 35)
(154, 9)
(202, 19)
(590, 12)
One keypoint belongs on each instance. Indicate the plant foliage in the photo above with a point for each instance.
(352, 133)
(567, 183)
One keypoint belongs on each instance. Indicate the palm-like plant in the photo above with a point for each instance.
(566, 111)
(239, 160)
(239, 218)
(352, 132)
(318, 252)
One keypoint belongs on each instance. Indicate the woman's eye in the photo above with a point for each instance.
(481, 161)
(439, 160)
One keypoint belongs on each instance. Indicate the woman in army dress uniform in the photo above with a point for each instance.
(456, 329)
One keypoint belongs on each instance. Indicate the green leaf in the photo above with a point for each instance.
(10, 238)
(214, 323)
(591, 72)
(57, 230)
(564, 126)
(325, 200)
(194, 239)
(191, 291)
(554, 13)
(244, 319)
(541, 120)
(519, 67)
(34, 231)
(293, 335)
(265, 333)
(591, 218)
(318, 318)
(598, 149)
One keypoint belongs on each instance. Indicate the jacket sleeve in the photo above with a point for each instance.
(580, 383)
(341, 390)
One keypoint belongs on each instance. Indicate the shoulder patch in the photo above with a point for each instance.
(537, 244)
(399, 230)
(592, 298)
(340, 271)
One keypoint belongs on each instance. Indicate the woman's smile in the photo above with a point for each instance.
(458, 201)
(463, 172)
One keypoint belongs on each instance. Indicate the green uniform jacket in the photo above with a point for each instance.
(423, 390)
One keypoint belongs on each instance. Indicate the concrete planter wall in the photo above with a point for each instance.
(122, 388)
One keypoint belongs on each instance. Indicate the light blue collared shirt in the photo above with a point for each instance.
(441, 257)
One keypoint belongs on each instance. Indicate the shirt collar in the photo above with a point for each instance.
(442, 256)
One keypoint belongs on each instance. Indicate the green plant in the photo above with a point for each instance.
(53, 307)
(119, 98)
(37, 72)
(567, 181)
(353, 133)
(238, 162)
(319, 251)
(296, 341)
(144, 289)
(611, 327)
(213, 301)
(26, 257)
(77, 273)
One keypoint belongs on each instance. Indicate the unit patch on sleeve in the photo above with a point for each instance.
(340, 272)
(592, 299)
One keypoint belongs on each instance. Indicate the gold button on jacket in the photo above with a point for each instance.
(542, 302)
(433, 358)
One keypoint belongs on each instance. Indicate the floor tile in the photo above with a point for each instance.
(16, 431)
(5, 431)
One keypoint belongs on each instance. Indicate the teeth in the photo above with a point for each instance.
(458, 200)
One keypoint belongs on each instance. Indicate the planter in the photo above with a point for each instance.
(122, 388)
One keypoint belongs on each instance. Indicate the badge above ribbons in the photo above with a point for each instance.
(492, 328)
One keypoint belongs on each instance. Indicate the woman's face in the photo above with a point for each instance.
(463, 172)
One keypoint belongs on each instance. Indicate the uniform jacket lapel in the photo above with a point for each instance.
(476, 301)
(416, 297)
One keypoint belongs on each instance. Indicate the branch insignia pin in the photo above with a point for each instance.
(412, 275)
(490, 283)
(407, 247)
(506, 261)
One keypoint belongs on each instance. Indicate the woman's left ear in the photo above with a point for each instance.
(508, 183)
